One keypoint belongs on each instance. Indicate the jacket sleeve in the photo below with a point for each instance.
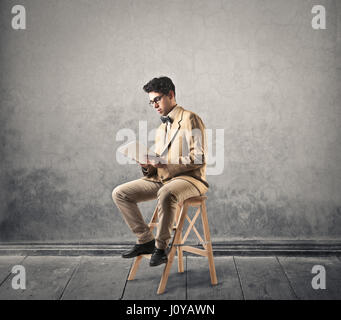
(196, 142)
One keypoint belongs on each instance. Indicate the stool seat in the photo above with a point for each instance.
(178, 243)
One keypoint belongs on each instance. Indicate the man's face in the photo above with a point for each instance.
(163, 102)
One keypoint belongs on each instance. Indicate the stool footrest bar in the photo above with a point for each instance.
(200, 252)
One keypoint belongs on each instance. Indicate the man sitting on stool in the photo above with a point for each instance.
(182, 176)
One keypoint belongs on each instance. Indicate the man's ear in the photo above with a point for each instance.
(171, 94)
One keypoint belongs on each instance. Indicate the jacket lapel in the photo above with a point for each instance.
(174, 131)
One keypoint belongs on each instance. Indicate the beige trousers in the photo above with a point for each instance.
(127, 195)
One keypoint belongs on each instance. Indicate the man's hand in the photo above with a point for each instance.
(157, 165)
(154, 162)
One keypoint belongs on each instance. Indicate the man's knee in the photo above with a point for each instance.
(117, 193)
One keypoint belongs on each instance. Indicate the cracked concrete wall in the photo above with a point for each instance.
(256, 68)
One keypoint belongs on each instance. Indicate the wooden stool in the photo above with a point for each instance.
(178, 241)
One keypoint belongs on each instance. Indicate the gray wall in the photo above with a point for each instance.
(256, 68)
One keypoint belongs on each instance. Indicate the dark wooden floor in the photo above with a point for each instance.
(105, 277)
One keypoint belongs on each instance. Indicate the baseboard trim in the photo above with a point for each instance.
(222, 248)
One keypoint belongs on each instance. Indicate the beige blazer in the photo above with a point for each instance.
(185, 151)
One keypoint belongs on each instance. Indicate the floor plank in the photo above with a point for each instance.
(262, 278)
(299, 272)
(46, 278)
(98, 278)
(6, 265)
(147, 279)
(199, 282)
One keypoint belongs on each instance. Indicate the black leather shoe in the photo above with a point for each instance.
(138, 249)
(159, 256)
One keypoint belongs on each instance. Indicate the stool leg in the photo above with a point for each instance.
(180, 256)
(134, 268)
(166, 270)
(207, 235)
(179, 248)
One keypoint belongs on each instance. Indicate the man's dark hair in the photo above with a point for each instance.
(161, 85)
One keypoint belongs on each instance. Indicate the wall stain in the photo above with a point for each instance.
(38, 207)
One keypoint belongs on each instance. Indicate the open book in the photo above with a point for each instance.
(139, 152)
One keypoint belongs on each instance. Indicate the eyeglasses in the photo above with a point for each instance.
(155, 100)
